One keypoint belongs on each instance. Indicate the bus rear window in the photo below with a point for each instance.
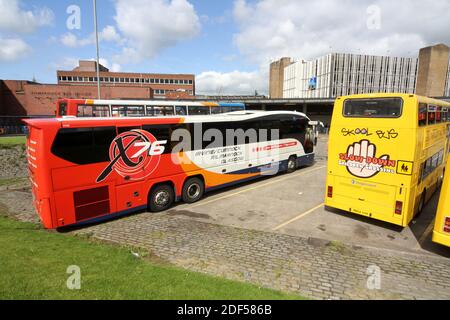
(62, 109)
(373, 108)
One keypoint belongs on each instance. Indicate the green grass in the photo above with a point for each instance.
(33, 265)
(12, 141)
(11, 181)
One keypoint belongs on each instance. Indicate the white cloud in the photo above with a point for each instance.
(108, 34)
(115, 67)
(67, 63)
(153, 25)
(14, 19)
(71, 40)
(13, 49)
(270, 29)
(230, 83)
(307, 29)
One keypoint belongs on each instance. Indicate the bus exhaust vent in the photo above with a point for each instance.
(91, 203)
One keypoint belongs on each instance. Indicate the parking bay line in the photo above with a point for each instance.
(302, 215)
(257, 187)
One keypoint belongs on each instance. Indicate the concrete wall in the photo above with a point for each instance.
(433, 71)
(276, 77)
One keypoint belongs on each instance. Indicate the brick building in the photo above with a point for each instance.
(21, 99)
(163, 85)
(26, 98)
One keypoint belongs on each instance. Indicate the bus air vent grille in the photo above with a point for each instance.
(91, 203)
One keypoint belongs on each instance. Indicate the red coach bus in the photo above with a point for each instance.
(87, 169)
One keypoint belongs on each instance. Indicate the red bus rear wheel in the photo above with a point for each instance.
(161, 198)
(193, 190)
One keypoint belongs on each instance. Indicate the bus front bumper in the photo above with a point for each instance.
(441, 238)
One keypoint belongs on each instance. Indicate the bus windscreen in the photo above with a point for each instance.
(373, 108)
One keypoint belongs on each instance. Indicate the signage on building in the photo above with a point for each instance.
(312, 85)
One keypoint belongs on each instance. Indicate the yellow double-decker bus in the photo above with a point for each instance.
(441, 232)
(386, 154)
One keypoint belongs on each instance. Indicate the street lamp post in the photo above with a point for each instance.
(98, 51)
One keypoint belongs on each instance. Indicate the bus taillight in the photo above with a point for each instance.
(398, 207)
(447, 225)
(330, 192)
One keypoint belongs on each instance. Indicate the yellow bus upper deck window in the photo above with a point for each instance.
(373, 108)
(423, 114)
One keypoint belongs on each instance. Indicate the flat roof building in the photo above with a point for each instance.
(163, 85)
(340, 74)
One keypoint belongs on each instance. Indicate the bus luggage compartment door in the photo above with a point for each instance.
(129, 196)
(364, 197)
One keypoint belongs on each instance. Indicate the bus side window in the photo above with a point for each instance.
(215, 110)
(431, 115)
(181, 110)
(150, 111)
(135, 111)
(103, 137)
(85, 145)
(119, 111)
(422, 114)
(438, 114)
(161, 133)
(100, 111)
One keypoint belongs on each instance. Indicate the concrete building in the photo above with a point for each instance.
(163, 85)
(338, 74)
(433, 76)
(277, 74)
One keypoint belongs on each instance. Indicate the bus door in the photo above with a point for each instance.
(128, 181)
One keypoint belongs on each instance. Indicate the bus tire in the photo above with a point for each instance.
(161, 198)
(193, 190)
(292, 164)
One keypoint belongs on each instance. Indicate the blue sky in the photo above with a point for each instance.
(211, 49)
(227, 44)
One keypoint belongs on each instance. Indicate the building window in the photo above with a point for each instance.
(166, 81)
(171, 81)
(190, 81)
(156, 80)
(151, 80)
(147, 80)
